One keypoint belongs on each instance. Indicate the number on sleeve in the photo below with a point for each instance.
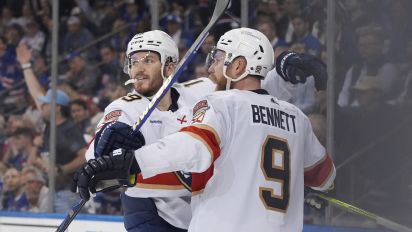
(275, 165)
(131, 97)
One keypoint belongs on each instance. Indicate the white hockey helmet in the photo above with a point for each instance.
(156, 41)
(253, 45)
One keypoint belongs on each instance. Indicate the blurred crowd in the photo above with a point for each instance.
(373, 82)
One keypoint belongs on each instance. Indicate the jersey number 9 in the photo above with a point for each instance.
(275, 165)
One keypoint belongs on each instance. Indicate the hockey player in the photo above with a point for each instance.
(250, 154)
(159, 203)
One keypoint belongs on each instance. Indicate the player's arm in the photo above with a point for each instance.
(193, 149)
(295, 68)
(319, 168)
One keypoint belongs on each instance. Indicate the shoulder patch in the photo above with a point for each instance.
(112, 116)
(199, 111)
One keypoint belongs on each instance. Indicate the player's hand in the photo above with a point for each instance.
(295, 68)
(313, 200)
(120, 165)
(115, 135)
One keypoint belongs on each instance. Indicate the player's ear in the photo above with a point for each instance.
(239, 65)
(169, 69)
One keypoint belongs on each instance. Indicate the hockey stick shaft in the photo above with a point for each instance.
(379, 220)
(220, 8)
(70, 216)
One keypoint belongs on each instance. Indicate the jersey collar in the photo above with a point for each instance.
(260, 91)
(175, 97)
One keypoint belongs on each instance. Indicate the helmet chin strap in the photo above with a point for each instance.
(229, 80)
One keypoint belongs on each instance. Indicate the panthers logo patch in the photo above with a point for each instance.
(199, 111)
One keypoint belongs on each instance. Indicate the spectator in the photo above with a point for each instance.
(26, 17)
(268, 28)
(104, 16)
(77, 36)
(41, 71)
(13, 198)
(132, 13)
(2, 144)
(110, 67)
(70, 150)
(34, 37)
(284, 24)
(373, 63)
(175, 29)
(10, 77)
(204, 50)
(13, 35)
(80, 114)
(35, 189)
(82, 77)
(301, 34)
(21, 149)
(120, 40)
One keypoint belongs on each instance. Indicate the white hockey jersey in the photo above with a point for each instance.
(166, 189)
(250, 155)
(302, 95)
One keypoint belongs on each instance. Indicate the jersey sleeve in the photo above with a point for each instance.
(113, 112)
(319, 168)
(276, 86)
(193, 149)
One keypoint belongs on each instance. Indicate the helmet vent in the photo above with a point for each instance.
(259, 58)
(255, 53)
(261, 48)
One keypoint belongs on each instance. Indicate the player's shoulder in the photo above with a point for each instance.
(197, 86)
(221, 97)
(131, 100)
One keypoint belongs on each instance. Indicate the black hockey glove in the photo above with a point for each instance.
(115, 135)
(295, 68)
(106, 173)
(313, 199)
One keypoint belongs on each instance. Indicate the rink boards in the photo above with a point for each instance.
(45, 222)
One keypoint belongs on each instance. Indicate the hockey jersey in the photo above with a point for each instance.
(166, 189)
(250, 155)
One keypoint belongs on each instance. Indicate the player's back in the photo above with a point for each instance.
(257, 183)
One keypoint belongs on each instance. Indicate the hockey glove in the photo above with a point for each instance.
(313, 200)
(295, 68)
(119, 169)
(115, 135)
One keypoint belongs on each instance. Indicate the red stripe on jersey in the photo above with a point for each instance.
(318, 174)
(161, 179)
(90, 142)
(210, 138)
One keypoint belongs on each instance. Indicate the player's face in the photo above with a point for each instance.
(145, 70)
(216, 70)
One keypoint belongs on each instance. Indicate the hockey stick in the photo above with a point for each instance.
(220, 8)
(70, 216)
(378, 219)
